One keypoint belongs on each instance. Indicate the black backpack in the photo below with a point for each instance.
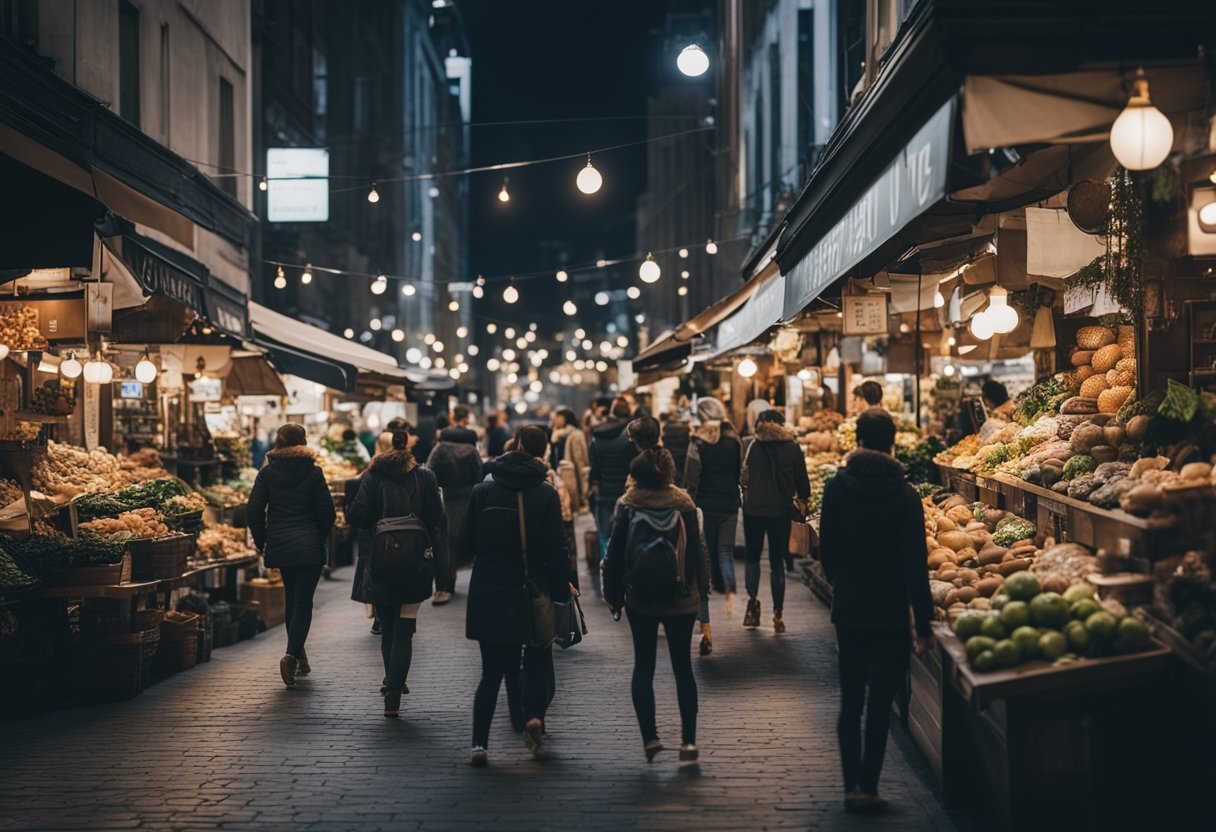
(654, 554)
(403, 557)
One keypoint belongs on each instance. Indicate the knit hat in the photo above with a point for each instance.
(710, 409)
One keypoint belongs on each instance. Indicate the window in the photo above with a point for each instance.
(20, 20)
(806, 84)
(128, 62)
(227, 147)
(777, 127)
(164, 82)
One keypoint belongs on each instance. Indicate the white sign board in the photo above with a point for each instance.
(297, 188)
(865, 314)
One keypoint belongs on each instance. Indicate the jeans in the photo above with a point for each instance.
(720, 540)
(446, 562)
(499, 661)
(299, 585)
(602, 513)
(645, 629)
(396, 644)
(777, 529)
(877, 658)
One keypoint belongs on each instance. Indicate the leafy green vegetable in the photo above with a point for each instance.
(1180, 402)
(1042, 398)
(917, 460)
(1079, 464)
(12, 576)
(1012, 529)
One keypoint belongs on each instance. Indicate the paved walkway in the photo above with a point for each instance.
(225, 746)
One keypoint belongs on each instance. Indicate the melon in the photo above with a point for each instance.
(1094, 337)
(1093, 386)
(1109, 401)
(1106, 358)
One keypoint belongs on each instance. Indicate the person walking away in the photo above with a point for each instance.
(774, 473)
(675, 436)
(657, 570)
(509, 550)
(610, 451)
(715, 461)
(866, 395)
(397, 487)
(876, 570)
(569, 455)
(497, 436)
(290, 515)
(457, 466)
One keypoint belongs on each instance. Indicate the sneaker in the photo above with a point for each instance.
(729, 606)
(651, 749)
(707, 645)
(287, 669)
(688, 752)
(392, 704)
(751, 618)
(441, 598)
(534, 736)
(778, 624)
(304, 667)
(479, 758)
(376, 626)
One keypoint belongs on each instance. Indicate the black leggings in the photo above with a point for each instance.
(645, 630)
(873, 658)
(777, 529)
(299, 585)
(396, 644)
(499, 661)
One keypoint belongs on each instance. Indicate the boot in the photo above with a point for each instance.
(287, 669)
(304, 667)
(778, 624)
(729, 606)
(751, 618)
(392, 703)
(707, 643)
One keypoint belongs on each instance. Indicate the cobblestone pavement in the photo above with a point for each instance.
(225, 746)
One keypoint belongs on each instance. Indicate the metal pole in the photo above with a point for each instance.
(920, 273)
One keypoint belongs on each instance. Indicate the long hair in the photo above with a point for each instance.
(653, 468)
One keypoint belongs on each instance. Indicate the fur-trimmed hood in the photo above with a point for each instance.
(773, 432)
(286, 466)
(394, 463)
(658, 499)
(562, 432)
(292, 452)
(710, 432)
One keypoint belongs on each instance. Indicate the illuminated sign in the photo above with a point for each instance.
(297, 188)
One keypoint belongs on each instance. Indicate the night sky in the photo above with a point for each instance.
(556, 59)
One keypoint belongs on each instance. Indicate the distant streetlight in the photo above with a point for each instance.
(589, 179)
(692, 61)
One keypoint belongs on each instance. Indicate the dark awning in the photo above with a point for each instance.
(44, 223)
(332, 374)
(60, 130)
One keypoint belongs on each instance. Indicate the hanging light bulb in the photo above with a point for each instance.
(649, 271)
(453, 306)
(683, 254)
(376, 324)
(462, 331)
(3, 351)
(398, 335)
(633, 292)
(684, 275)
(416, 236)
(306, 275)
(1141, 136)
(504, 195)
(263, 184)
(562, 276)
(69, 367)
(602, 298)
(373, 196)
(145, 370)
(348, 332)
(96, 370)
(380, 285)
(1207, 214)
(981, 326)
(589, 179)
(711, 247)
(1003, 317)
(409, 290)
(747, 368)
(682, 291)
(280, 279)
(692, 61)
(478, 292)
(413, 355)
(948, 370)
(510, 294)
(939, 300)
(491, 328)
(570, 308)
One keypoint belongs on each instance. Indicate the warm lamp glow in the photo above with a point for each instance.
(1141, 136)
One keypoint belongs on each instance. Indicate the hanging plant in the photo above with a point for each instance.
(1120, 271)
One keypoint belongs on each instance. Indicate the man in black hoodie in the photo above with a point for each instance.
(611, 452)
(872, 544)
(457, 465)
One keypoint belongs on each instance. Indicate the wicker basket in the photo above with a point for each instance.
(155, 559)
(102, 574)
(178, 642)
(106, 615)
(117, 665)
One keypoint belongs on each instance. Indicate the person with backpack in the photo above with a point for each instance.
(657, 570)
(711, 476)
(877, 570)
(399, 499)
(290, 515)
(513, 534)
(611, 451)
(456, 464)
(774, 483)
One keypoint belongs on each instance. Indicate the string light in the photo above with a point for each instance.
(409, 290)
(633, 292)
(380, 285)
(398, 335)
(348, 332)
(454, 306)
(649, 271)
(69, 367)
(429, 338)
(562, 277)
(462, 331)
(692, 61)
(711, 247)
(437, 346)
(683, 254)
(376, 324)
(684, 275)
(306, 275)
(474, 349)
(478, 292)
(491, 328)
(416, 236)
(602, 298)
(280, 279)
(145, 370)
(570, 308)
(510, 294)
(589, 179)
(747, 368)
(493, 364)
(263, 184)
(425, 362)
(504, 195)
(682, 291)
(413, 355)
(622, 341)
(373, 196)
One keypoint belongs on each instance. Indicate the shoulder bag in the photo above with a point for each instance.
(540, 605)
(801, 535)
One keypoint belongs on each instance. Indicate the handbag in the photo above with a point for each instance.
(540, 604)
(569, 622)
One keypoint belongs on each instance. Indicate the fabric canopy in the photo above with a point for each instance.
(251, 375)
(277, 328)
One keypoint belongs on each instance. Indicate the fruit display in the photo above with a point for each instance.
(1028, 623)
(817, 433)
(12, 577)
(68, 471)
(19, 329)
(54, 400)
(227, 494)
(223, 542)
(143, 465)
(1185, 599)
(335, 468)
(152, 494)
(10, 492)
(236, 448)
(138, 523)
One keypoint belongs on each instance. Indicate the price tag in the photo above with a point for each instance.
(865, 314)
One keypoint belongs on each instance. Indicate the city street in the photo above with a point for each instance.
(226, 746)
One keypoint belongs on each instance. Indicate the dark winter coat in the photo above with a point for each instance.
(696, 559)
(675, 438)
(379, 496)
(490, 538)
(363, 541)
(611, 452)
(291, 512)
(715, 463)
(497, 438)
(456, 463)
(872, 545)
(774, 472)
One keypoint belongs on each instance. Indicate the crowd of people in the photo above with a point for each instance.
(666, 497)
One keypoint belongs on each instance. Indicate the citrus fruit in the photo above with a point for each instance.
(1101, 626)
(1006, 653)
(1027, 640)
(968, 625)
(1077, 592)
(1022, 586)
(985, 661)
(1048, 609)
(1015, 614)
(1052, 645)
(978, 644)
(1077, 635)
(1132, 635)
(1084, 608)
(993, 628)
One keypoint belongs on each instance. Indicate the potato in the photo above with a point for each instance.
(961, 595)
(1196, 471)
(954, 540)
(1010, 566)
(945, 524)
(991, 554)
(940, 558)
(989, 586)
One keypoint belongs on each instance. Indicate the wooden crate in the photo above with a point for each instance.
(271, 600)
